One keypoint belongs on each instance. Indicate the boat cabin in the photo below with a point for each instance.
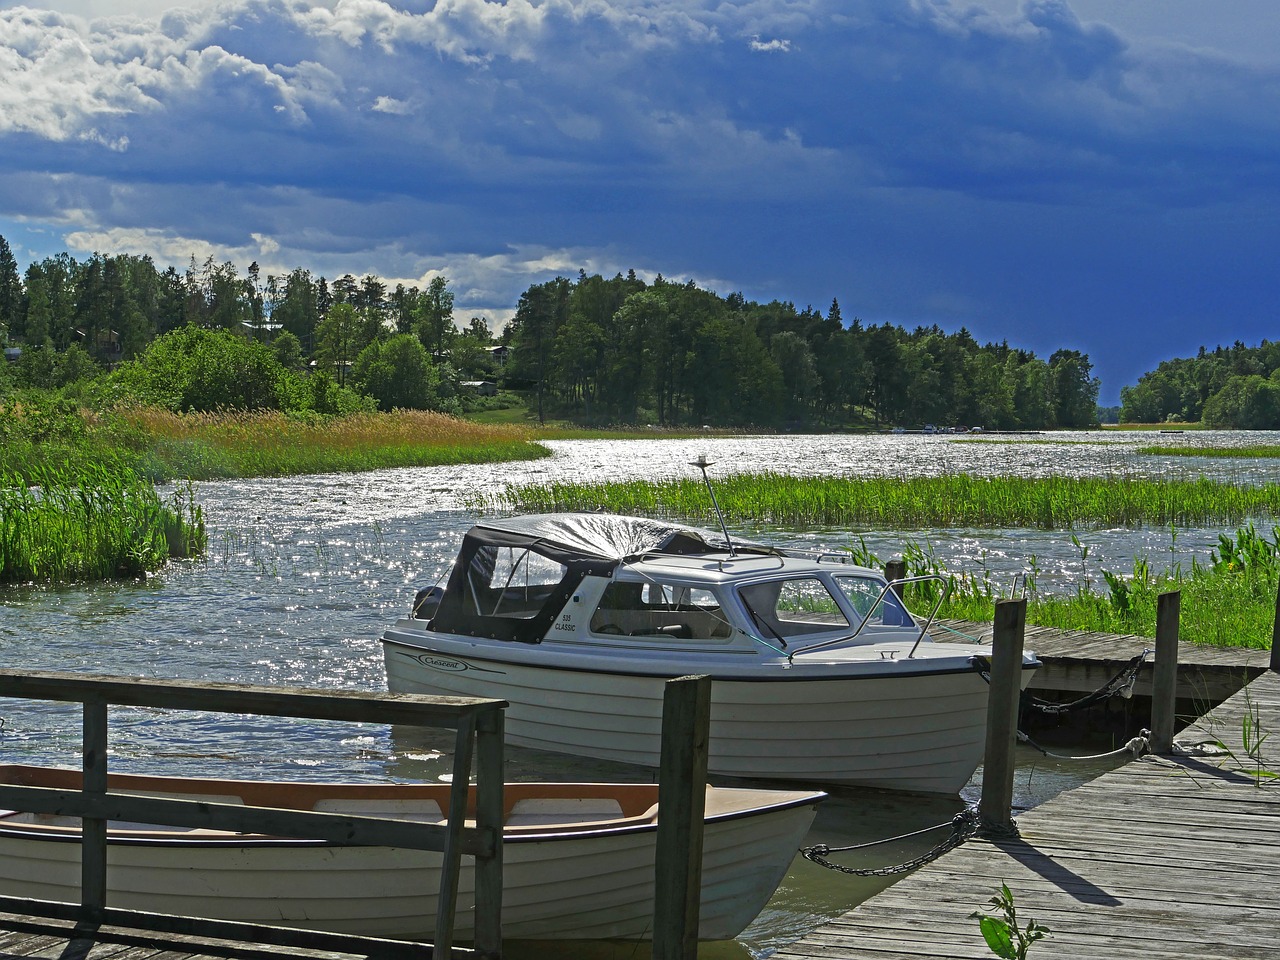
(570, 576)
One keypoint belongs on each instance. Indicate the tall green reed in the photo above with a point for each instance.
(93, 523)
(912, 502)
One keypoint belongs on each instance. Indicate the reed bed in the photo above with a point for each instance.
(1229, 599)
(95, 524)
(269, 443)
(1259, 451)
(954, 500)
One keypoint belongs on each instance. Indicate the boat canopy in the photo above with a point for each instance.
(514, 574)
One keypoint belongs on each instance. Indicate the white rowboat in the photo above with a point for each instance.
(578, 859)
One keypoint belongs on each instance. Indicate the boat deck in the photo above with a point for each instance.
(1168, 857)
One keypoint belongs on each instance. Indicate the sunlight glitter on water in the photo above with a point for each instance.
(304, 573)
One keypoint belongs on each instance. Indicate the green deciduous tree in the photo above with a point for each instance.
(398, 373)
(1247, 402)
(193, 369)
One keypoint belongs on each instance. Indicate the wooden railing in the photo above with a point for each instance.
(479, 726)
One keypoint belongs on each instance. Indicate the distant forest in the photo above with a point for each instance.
(592, 349)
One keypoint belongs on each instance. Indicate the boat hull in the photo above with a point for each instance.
(596, 884)
(919, 729)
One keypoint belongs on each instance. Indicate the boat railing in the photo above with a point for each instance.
(895, 586)
(479, 735)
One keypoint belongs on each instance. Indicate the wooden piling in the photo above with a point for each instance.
(995, 807)
(682, 778)
(1164, 689)
(896, 569)
(1275, 637)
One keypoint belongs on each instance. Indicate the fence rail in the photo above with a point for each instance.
(479, 734)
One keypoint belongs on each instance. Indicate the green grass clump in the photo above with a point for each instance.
(1228, 600)
(96, 524)
(1259, 451)
(953, 500)
(272, 444)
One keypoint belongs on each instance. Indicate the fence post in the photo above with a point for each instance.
(489, 811)
(1275, 637)
(1164, 682)
(93, 830)
(682, 778)
(995, 807)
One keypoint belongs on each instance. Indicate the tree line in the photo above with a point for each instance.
(595, 349)
(1234, 387)
(664, 352)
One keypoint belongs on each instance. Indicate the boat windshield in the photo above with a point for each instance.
(862, 594)
(793, 607)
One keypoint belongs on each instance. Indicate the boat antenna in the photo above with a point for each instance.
(702, 463)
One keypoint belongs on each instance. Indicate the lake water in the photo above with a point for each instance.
(303, 573)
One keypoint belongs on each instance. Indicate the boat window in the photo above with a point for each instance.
(788, 608)
(651, 608)
(862, 594)
(511, 582)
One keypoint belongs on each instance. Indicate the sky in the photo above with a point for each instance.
(1096, 175)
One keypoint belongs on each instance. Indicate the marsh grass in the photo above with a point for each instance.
(270, 444)
(77, 500)
(1227, 600)
(92, 525)
(1260, 451)
(905, 503)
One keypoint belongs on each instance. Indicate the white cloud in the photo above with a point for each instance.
(770, 46)
(399, 108)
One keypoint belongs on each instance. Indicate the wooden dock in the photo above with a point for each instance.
(1080, 661)
(1162, 857)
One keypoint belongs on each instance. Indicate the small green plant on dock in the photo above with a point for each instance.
(1006, 939)
(1253, 738)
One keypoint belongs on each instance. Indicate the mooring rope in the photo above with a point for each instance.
(1135, 747)
(1120, 685)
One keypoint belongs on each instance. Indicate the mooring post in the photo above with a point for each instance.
(995, 806)
(1164, 682)
(682, 778)
(1275, 636)
(896, 569)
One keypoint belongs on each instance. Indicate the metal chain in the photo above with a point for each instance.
(1121, 685)
(964, 825)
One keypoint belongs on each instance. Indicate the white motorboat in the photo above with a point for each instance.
(820, 674)
(578, 859)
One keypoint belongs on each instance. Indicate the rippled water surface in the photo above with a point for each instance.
(303, 573)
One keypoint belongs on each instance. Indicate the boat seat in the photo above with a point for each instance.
(681, 630)
(561, 810)
(419, 811)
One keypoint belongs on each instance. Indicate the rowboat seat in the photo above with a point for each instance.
(561, 810)
(419, 811)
